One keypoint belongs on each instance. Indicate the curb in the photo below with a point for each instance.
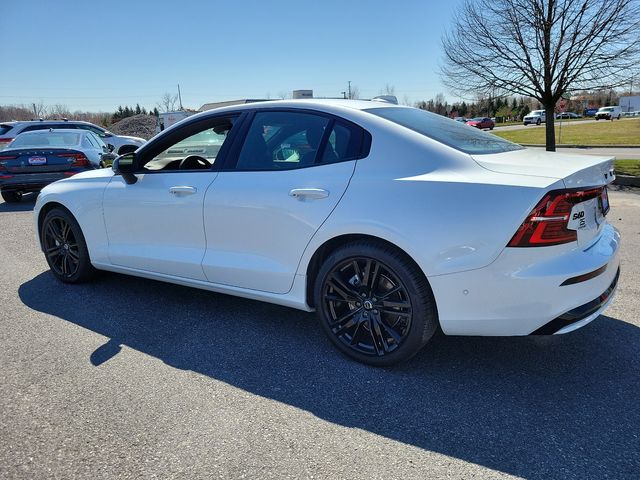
(627, 181)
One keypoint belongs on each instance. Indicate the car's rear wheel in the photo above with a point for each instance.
(65, 248)
(11, 196)
(374, 303)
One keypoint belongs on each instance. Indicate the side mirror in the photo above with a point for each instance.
(125, 165)
(110, 147)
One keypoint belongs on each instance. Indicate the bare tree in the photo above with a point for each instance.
(355, 92)
(541, 49)
(168, 102)
(59, 111)
(15, 112)
(39, 109)
(388, 90)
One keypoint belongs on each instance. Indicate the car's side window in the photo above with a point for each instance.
(92, 129)
(345, 142)
(96, 140)
(37, 127)
(282, 140)
(286, 140)
(195, 150)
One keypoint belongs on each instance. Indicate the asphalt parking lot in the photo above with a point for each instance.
(130, 378)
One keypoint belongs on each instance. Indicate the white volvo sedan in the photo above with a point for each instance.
(388, 221)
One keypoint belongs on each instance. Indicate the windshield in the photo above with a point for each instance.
(446, 131)
(606, 109)
(45, 139)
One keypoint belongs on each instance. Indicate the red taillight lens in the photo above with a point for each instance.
(3, 164)
(547, 222)
(79, 159)
(5, 140)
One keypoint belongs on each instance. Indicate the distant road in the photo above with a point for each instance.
(564, 124)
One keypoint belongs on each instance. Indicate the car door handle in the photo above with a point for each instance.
(311, 193)
(181, 191)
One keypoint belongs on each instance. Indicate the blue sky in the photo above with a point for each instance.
(92, 55)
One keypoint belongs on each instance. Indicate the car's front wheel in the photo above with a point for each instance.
(538, 122)
(11, 196)
(374, 303)
(65, 248)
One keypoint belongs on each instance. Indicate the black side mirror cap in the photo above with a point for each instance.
(110, 147)
(125, 165)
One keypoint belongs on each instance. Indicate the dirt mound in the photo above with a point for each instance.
(137, 126)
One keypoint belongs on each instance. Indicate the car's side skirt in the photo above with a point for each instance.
(295, 298)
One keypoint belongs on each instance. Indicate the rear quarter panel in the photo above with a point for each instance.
(434, 202)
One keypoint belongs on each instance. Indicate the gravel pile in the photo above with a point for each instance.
(137, 126)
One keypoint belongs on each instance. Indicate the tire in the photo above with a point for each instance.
(11, 196)
(490, 128)
(379, 326)
(538, 122)
(618, 117)
(65, 248)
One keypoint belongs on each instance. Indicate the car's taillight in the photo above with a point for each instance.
(79, 159)
(6, 140)
(547, 222)
(3, 165)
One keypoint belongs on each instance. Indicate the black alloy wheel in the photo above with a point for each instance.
(374, 304)
(65, 248)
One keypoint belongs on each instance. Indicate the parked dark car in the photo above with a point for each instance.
(569, 115)
(36, 159)
(481, 122)
(590, 112)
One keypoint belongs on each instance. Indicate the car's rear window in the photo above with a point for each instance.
(5, 128)
(444, 130)
(48, 139)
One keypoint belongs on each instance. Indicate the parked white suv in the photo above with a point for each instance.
(609, 113)
(536, 116)
(121, 144)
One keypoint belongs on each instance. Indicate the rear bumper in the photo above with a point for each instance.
(578, 317)
(523, 291)
(30, 182)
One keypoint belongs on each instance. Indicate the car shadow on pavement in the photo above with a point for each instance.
(27, 204)
(535, 407)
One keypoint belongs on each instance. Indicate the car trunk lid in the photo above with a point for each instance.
(38, 160)
(585, 178)
(574, 170)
